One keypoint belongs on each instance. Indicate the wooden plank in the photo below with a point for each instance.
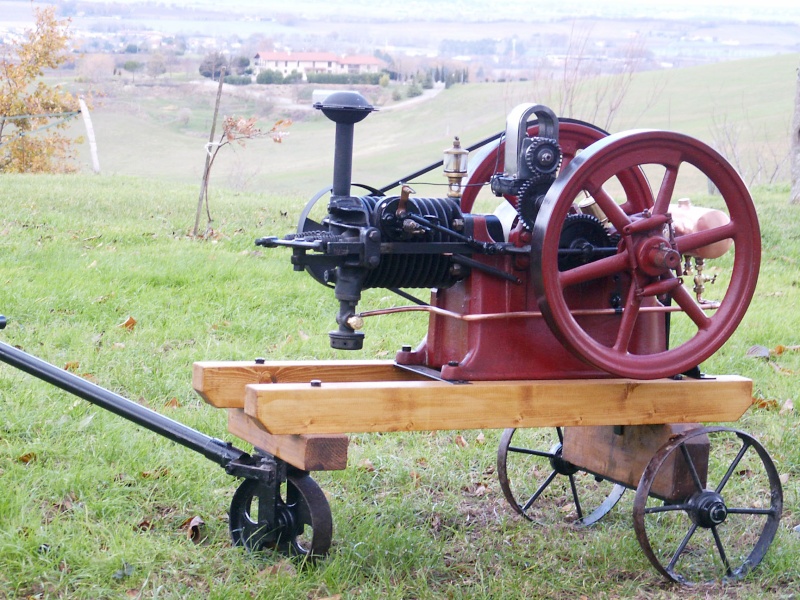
(434, 405)
(222, 384)
(307, 452)
(623, 456)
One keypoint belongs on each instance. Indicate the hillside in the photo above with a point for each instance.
(160, 132)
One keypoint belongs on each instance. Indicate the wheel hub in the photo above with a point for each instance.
(561, 466)
(707, 509)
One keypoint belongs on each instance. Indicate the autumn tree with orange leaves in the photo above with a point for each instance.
(33, 114)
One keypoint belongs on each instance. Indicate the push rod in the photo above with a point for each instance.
(214, 449)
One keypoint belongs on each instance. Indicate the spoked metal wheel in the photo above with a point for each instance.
(538, 483)
(708, 506)
(294, 520)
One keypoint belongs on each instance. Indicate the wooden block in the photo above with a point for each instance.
(306, 452)
(434, 405)
(622, 456)
(222, 384)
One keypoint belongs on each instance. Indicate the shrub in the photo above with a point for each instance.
(238, 79)
(269, 76)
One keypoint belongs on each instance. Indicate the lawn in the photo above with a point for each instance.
(94, 507)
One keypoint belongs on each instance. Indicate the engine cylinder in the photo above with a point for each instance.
(412, 270)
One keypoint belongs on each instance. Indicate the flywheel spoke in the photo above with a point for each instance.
(610, 208)
(599, 269)
(732, 468)
(664, 197)
(693, 241)
(692, 309)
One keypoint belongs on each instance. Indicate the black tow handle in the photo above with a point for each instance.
(235, 462)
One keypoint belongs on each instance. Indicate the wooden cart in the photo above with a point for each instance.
(635, 434)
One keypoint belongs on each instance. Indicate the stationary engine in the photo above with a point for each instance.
(578, 274)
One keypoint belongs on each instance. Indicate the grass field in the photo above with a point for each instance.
(94, 507)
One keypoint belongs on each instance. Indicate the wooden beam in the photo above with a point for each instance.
(434, 405)
(222, 384)
(306, 452)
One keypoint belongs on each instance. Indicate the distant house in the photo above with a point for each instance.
(316, 62)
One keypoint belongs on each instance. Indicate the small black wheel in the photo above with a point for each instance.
(530, 479)
(708, 506)
(302, 524)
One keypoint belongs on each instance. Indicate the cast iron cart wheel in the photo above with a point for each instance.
(573, 137)
(303, 525)
(536, 480)
(649, 257)
(721, 527)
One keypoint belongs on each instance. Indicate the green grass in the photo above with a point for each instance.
(83, 253)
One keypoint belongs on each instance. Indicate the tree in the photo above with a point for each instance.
(235, 130)
(156, 65)
(131, 66)
(27, 106)
(794, 196)
(213, 64)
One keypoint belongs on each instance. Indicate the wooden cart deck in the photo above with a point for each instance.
(299, 411)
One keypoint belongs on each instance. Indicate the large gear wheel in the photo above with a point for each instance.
(583, 239)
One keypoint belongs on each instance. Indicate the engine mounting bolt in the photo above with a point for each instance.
(374, 261)
(405, 349)
(458, 224)
(316, 383)
(374, 235)
(260, 361)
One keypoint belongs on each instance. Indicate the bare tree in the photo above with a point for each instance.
(794, 196)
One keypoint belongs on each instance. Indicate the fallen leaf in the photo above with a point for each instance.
(92, 265)
(144, 525)
(195, 529)
(27, 457)
(757, 352)
(133, 593)
(781, 349)
(460, 441)
(415, 477)
(72, 366)
(765, 404)
(779, 369)
(366, 465)
(480, 439)
(128, 324)
(155, 474)
(303, 335)
(173, 403)
(787, 407)
(784, 478)
(118, 346)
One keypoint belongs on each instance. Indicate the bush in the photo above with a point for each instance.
(238, 79)
(269, 76)
(414, 90)
(348, 78)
